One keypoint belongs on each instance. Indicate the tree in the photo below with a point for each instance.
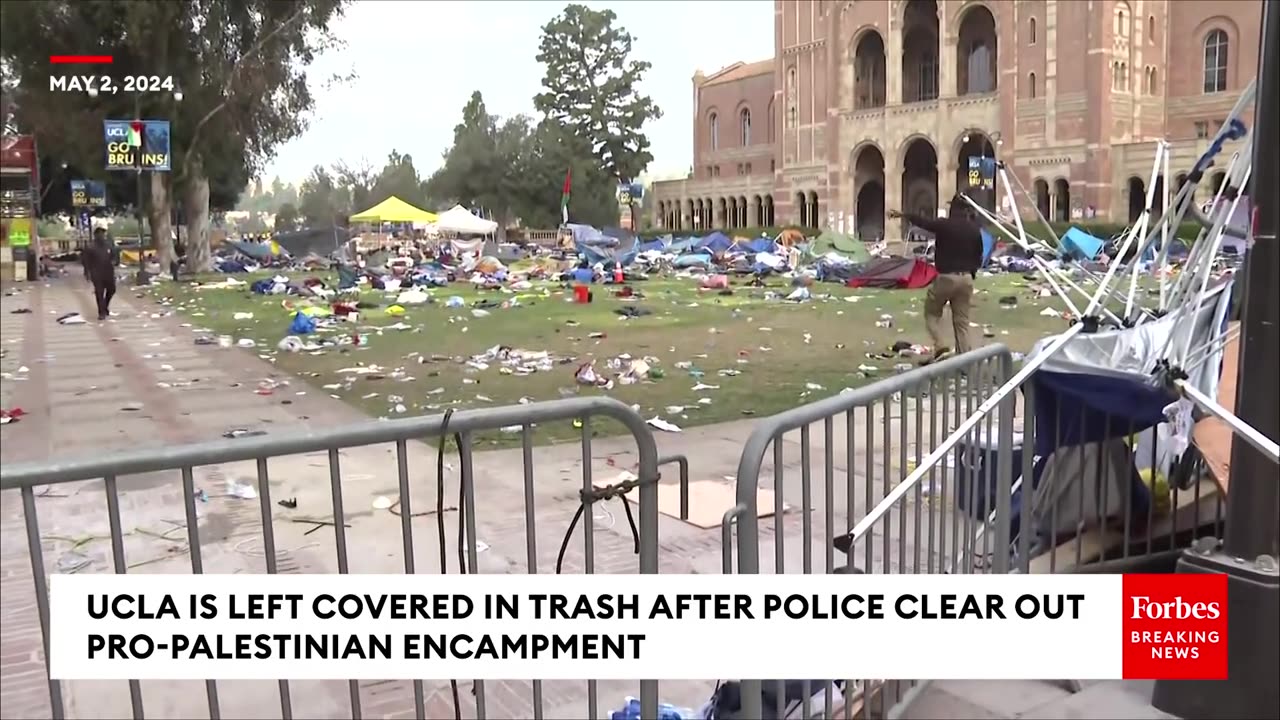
(321, 202)
(358, 181)
(287, 218)
(399, 178)
(590, 85)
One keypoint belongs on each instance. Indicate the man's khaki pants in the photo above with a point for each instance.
(956, 290)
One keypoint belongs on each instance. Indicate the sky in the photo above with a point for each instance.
(417, 63)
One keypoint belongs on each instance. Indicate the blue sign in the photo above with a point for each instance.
(88, 193)
(137, 145)
(630, 192)
(982, 172)
(85, 221)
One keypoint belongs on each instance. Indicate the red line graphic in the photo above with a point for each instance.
(81, 59)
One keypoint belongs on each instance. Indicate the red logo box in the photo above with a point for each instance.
(1175, 627)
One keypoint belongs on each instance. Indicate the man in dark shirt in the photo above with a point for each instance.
(100, 260)
(957, 253)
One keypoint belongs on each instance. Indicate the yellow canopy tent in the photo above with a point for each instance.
(393, 209)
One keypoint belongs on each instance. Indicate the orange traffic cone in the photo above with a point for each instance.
(617, 273)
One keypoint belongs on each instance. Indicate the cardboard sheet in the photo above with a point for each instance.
(709, 500)
(1211, 435)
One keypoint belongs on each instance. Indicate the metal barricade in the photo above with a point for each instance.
(456, 433)
(911, 411)
(1083, 509)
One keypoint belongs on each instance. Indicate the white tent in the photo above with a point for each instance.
(460, 220)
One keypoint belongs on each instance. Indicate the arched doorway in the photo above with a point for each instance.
(1062, 200)
(1180, 182)
(1137, 198)
(813, 210)
(869, 78)
(975, 145)
(976, 52)
(731, 213)
(920, 51)
(768, 212)
(868, 184)
(742, 212)
(920, 178)
(757, 210)
(722, 214)
(1042, 197)
(1157, 202)
(1216, 182)
(802, 210)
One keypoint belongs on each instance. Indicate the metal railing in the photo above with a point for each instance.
(1086, 510)
(181, 465)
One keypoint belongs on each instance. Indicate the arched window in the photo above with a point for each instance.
(1122, 23)
(1031, 86)
(1151, 29)
(744, 126)
(1153, 82)
(1031, 31)
(714, 121)
(1216, 47)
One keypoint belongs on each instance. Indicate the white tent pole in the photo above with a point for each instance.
(1242, 429)
(1161, 267)
(1044, 220)
(1128, 242)
(1040, 264)
(1144, 219)
(1198, 250)
(926, 465)
(1207, 266)
(1201, 355)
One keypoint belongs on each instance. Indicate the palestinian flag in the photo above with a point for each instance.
(564, 195)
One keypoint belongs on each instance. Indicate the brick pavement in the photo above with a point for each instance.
(80, 378)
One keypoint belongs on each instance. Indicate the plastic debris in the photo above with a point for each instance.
(660, 424)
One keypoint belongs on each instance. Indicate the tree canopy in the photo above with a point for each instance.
(590, 85)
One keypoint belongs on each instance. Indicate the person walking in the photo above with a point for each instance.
(100, 260)
(957, 254)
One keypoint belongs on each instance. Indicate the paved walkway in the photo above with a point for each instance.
(139, 381)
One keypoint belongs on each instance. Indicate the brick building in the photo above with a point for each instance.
(868, 105)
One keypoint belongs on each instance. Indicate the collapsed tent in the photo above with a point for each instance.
(623, 252)
(318, 241)
(716, 242)
(1080, 245)
(988, 247)
(261, 252)
(1097, 401)
(899, 273)
(458, 219)
(394, 210)
(847, 246)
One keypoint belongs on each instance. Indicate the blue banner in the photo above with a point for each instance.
(88, 193)
(982, 172)
(137, 145)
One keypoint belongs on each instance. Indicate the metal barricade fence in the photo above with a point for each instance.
(508, 699)
(959, 515)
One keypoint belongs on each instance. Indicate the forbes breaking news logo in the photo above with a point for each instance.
(137, 145)
(1175, 627)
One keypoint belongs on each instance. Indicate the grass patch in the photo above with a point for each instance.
(765, 355)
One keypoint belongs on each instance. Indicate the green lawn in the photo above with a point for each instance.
(762, 355)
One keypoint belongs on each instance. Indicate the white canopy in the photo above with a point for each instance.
(460, 220)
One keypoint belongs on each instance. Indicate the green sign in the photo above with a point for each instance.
(20, 232)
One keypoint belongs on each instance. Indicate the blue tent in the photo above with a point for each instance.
(762, 244)
(1080, 244)
(716, 242)
(683, 245)
(658, 244)
(988, 246)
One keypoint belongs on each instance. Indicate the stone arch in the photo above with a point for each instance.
(869, 68)
(769, 220)
(722, 213)
(1137, 190)
(867, 173)
(802, 210)
(919, 176)
(1180, 181)
(692, 210)
(1041, 190)
(1217, 60)
(1062, 200)
(713, 128)
(1157, 199)
(742, 219)
(977, 51)
(920, 41)
(757, 210)
(813, 210)
(974, 144)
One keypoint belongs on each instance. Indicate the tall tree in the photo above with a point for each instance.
(399, 178)
(590, 85)
(358, 181)
(321, 202)
(287, 218)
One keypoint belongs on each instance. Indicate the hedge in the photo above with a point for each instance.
(1105, 230)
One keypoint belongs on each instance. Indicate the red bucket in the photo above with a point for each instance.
(581, 294)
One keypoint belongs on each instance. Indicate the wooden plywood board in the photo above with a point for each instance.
(709, 500)
(1213, 436)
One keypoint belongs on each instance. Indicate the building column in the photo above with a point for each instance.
(892, 194)
(947, 189)
(892, 61)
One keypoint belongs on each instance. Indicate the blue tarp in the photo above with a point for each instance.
(762, 244)
(988, 246)
(716, 242)
(658, 244)
(1080, 244)
(692, 260)
(258, 251)
(683, 244)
